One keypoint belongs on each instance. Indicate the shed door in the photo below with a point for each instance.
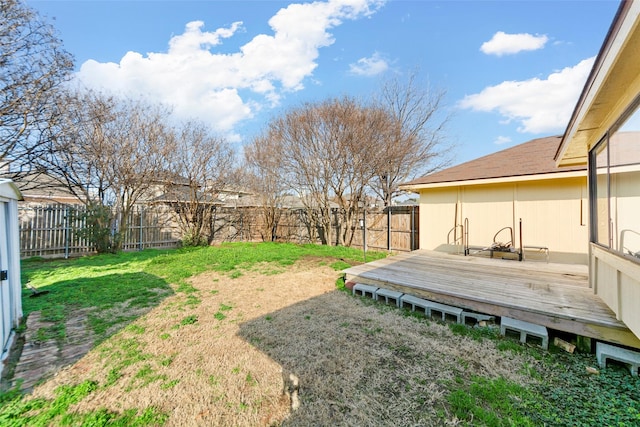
(5, 300)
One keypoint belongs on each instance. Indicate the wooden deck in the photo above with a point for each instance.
(554, 295)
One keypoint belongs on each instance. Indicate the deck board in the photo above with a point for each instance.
(554, 295)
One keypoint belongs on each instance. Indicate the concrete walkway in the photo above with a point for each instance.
(40, 360)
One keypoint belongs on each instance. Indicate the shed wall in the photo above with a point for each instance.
(10, 287)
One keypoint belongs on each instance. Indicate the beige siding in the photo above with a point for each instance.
(553, 213)
(617, 281)
(489, 208)
(438, 217)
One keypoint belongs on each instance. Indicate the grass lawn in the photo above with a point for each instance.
(261, 334)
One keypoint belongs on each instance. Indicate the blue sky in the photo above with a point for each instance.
(512, 70)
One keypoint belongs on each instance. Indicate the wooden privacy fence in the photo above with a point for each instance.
(396, 228)
(53, 230)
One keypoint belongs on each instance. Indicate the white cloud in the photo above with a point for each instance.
(539, 105)
(226, 88)
(502, 140)
(371, 66)
(508, 44)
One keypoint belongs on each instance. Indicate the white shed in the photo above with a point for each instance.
(10, 285)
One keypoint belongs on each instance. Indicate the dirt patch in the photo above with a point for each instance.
(282, 349)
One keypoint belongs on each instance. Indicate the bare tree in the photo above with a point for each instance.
(78, 146)
(416, 144)
(326, 153)
(199, 168)
(357, 143)
(300, 140)
(106, 151)
(33, 65)
(263, 174)
(140, 143)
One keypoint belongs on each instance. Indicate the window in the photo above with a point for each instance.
(615, 188)
(600, 204)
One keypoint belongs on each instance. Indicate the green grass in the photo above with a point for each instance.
(485, 402)
(112, 286)
(143, 279)
(41, 412)
(189, 320)
(478, 334)
(568, 395)
(564, 395)
(92, 283)
(561, 392)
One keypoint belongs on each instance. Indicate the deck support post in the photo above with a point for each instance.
(584, 344)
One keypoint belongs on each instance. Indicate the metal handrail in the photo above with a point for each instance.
(510, 242)
(457, 240)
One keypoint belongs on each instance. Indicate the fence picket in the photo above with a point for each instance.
(52, 230)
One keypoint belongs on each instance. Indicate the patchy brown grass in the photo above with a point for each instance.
(228, 359)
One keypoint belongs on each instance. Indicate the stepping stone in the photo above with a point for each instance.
(444, 310)
(363, 290)
(606, 352)
(409, 301)
(388, 296)
(525, 329)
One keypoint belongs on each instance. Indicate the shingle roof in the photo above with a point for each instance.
(535, 157)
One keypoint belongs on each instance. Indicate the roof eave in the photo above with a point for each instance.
(499, 180)
(611, 86)
(9, 190)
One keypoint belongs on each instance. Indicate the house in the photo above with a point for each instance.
(518, 196)
(10, 285)
(40, 189)
(604, 133)
(597, 301)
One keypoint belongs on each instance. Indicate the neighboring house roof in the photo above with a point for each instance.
(530, 159)
(284, 202)
(183, 195)
(39, 188)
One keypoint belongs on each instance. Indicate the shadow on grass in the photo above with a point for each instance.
(343, 361)
(76, 315)
(136, 289)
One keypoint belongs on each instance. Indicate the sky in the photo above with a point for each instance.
(512, 71)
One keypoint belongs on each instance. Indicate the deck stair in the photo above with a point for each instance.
(525, 329)
(429, 307)
(363, 290)
(606, 352)
(388, 296)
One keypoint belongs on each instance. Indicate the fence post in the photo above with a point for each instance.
(364, 230)
(141, 245)
(66, 233)
(389, 227)
(413, 229)
(364, 234)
